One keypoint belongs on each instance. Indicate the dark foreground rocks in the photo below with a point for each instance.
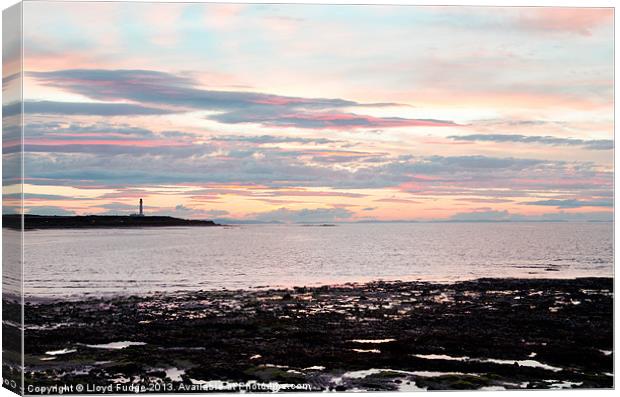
(484, 334)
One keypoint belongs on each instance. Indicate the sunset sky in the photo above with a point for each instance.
(313, 113)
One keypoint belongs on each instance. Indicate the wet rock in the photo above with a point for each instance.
(434, 336)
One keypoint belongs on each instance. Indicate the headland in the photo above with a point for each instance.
(13, 221)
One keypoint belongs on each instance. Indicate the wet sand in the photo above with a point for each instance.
(483, 334)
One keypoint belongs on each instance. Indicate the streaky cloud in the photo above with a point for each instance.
(91, 109)
(593, 144)
(272, 139)
(160, 88)
(150, 86)
(49, 210)
(425, 176)
(572, 203)
(306, 215)
(321, 120)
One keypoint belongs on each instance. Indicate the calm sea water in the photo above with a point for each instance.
(75, 263)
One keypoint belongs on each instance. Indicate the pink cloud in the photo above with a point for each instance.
(140, 143)
(573, 20)
(397, 201)
(345, 121)
(309, 193)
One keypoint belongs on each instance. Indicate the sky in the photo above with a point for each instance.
(316, 113)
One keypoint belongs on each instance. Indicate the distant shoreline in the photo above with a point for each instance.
(35, 222)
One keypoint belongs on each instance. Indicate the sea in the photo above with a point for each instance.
(77, 264)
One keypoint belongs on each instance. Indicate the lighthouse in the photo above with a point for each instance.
(141, 212)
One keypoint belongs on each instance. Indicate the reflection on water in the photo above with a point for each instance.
(137, 261)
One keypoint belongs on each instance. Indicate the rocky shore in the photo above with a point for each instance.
(483, 334)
